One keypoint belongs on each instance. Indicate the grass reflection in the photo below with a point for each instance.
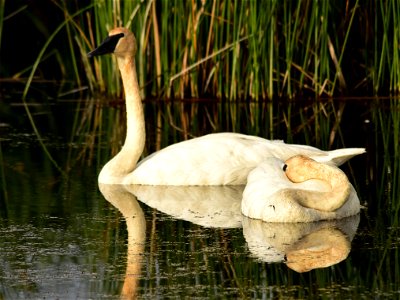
(313, 123)
(384, 154)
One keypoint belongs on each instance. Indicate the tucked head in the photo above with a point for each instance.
(300, 168)
(120, 41)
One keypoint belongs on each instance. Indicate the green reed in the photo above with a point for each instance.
(236, 49)
(386, 55)
(232, 50)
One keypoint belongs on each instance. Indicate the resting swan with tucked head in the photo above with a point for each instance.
(298, 190)
(214, 159)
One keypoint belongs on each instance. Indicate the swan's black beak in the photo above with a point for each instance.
(107, 46)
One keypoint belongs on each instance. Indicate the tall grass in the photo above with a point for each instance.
(237, 49)
(386, 65)
(232, 50)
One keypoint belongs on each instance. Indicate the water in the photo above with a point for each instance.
(64, 237)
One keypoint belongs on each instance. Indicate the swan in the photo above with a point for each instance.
(214, 159)
(298, 190)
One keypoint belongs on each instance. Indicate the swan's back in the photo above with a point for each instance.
(216, 159)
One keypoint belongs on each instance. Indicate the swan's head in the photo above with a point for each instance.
(300, 168)
(120, 41)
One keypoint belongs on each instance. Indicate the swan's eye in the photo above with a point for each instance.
(284, 167)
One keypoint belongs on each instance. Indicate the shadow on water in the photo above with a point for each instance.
(60, 239)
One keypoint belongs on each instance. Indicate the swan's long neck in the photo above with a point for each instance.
(324, 201)
(125, 161)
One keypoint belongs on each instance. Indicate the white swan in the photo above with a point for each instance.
(215, 159)
(298, 190)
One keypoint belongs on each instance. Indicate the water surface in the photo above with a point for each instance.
(64, 237)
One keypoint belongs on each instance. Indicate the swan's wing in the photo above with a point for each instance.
(217, 159)
(332, 157)
(339, 156)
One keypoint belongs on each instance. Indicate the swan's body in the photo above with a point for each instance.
(322, 192)
(214, 159)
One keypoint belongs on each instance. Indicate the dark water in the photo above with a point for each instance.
(61, 237)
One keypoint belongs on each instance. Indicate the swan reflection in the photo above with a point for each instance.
(133, 214)
(304, 246)
(208, 206)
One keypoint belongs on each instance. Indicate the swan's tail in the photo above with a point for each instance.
(340, 156)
